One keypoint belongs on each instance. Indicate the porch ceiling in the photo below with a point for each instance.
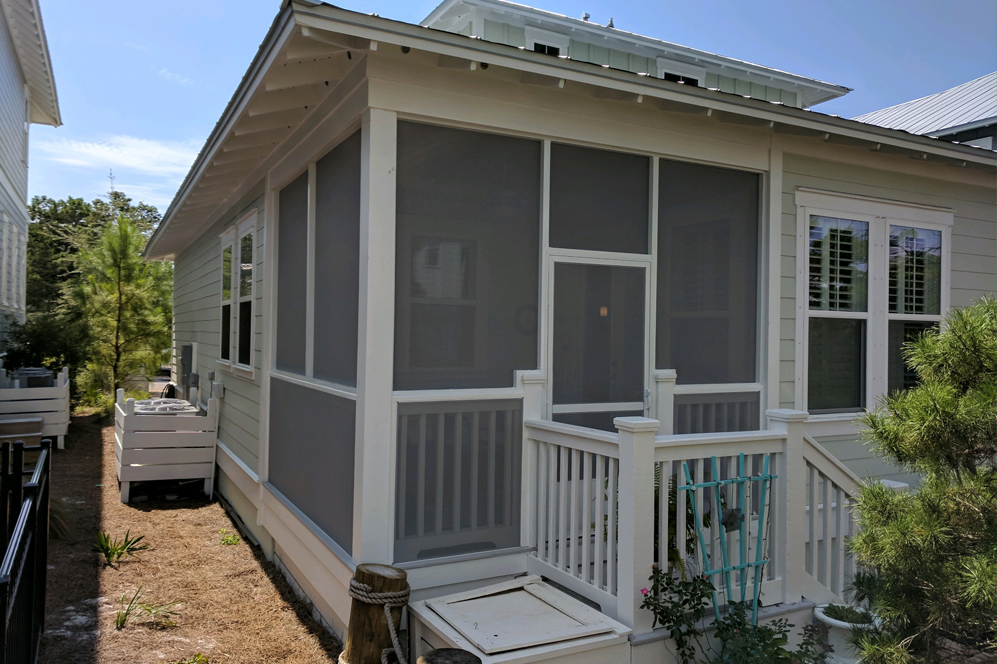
(312, 47)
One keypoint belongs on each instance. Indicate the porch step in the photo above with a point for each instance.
(518, 621)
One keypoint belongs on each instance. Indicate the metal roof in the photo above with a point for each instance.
(962, 107)
(24, 19)
(814, 91)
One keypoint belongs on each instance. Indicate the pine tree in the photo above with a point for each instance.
(125, 302)
(929, 557)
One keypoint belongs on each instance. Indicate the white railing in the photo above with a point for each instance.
(599, 520)
(831, 490)
(576, 509)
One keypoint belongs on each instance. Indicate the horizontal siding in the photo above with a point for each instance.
(856, 454)
(197, 318)
(974, 260)
(13, 161)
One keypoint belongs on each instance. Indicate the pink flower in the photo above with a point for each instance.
(643, 591)
(737, 631)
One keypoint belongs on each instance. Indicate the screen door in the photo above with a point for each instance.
(598, 349)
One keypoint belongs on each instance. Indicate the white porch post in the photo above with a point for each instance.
(790, 502)
(532, 383)
(372, 513)
(636, 519)
(664, 382)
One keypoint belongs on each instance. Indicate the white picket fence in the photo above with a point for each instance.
(596, 530)
(49, 403)
(163, 447)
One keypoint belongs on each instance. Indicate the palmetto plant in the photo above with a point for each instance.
(114, 550)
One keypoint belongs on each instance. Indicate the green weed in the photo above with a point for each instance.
(114, 550)
(228, 539)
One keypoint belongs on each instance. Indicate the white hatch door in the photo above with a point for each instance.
(518, 614)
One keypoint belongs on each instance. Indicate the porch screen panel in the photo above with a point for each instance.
(337, 262)
(312, 442)
(467, 258)
(707, 314)
(458, 478)
(599, 200)
(292, 259)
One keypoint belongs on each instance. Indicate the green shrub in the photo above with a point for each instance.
(114, 550)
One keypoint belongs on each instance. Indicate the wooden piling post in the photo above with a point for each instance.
(449, 656)
(367, 634)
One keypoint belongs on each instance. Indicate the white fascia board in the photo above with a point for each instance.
(24, 21)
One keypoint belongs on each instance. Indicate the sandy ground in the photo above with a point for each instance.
(234, 606)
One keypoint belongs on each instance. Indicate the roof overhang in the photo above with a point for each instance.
(305, 57)
(24, 20)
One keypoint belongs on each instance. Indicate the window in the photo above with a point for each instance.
(467, 258)
(545, 41)
(680, 72)
(238, 257)
(876, 279)
(546, 49)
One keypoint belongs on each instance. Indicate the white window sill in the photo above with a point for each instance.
(236, 369)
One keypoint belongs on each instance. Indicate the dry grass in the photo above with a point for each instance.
(235, 607)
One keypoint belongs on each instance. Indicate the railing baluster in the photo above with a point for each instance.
(812, 499)
(475, 470)
(562, 518)
(586, 474)
(574, 489)
(402, 473)
(614, 474)
(507, 470)
(600, 522)
(541, 500)
(440, 451)
(826, 544)
(420, 517)
(664, 472)
(839, 542)
(491, 468)
(680, 513)
(551, 503)
(458, 444)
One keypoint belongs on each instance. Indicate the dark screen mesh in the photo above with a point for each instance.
(292, 265)
(467, 258)
(337, 262)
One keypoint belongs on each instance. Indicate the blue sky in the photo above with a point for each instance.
(141, 84)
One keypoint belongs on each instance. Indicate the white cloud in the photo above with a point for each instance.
(159, 195)
(176, 78)
(171, 159)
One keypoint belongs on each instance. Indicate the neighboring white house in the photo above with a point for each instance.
(966, 114)
(464, 289)
(27, 96)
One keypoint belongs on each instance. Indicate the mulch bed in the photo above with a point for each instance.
(234, 605)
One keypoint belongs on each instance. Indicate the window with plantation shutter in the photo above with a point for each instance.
(876, 279)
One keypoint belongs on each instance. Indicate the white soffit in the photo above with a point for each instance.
(24, 20)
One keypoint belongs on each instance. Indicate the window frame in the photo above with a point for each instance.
(880, 214)
(547, 38)
(232, 238)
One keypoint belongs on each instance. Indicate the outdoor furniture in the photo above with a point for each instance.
(164, 439)
(19, 398)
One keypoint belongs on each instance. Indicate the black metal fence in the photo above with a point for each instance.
(25, 514)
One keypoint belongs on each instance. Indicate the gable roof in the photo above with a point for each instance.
(812, 91)
(24, 19)
(965, 106)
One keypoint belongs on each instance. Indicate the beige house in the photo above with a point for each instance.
(27, 96)
(463, 289)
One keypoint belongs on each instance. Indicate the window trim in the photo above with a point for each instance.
(880, 214)
(547, 38)
(683, 69)
(232, 237)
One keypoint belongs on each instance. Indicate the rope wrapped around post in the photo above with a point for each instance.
(365, 635)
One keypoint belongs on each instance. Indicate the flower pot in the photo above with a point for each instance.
(839, 636)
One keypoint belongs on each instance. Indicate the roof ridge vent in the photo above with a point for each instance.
(610, 24)
(586, 16)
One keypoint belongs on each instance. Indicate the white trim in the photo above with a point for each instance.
(344, 391)
(241, 475)
(719, 388)
(310, 273)
(470, 394)
(622, 406)
(848, 204)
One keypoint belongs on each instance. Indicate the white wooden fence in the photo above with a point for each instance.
(163, 447)
(49, 403)
(598, 526)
